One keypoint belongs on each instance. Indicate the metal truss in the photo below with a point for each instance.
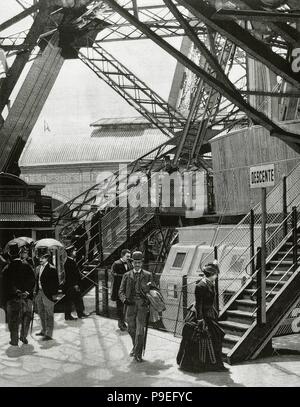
(158, 17)
(231, 94)
(244, 39)
(133, 90)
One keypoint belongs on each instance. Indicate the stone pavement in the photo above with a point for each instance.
(93, 352)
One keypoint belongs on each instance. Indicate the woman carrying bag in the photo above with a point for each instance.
(201, 346)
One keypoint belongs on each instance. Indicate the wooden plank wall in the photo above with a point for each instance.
(30, 100)
(233, 154)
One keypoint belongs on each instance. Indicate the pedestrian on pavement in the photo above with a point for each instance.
(46, 290)
(18, 282)
(201, 346)
(119, 268)
(71, 287)
(135, 285)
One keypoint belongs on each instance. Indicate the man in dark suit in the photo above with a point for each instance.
(118, 269)
(134, 286)
(18, 285)
(46, 290)
(72, 286)
(95, 231)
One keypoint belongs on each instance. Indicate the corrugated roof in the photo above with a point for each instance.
(131, 121)
(20, 218)
(113, 145)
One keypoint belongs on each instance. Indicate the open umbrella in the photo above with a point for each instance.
(20, 241)
(49, 243)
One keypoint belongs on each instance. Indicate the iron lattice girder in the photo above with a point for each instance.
(8, 84)
(257, 116)
(19, 17)
(242, 37)
(255, 15)
(158, 17)
(133, 90)
(210, 58)
(205, 104)
(288, 32)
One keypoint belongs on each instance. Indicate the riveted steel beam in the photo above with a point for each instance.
(244, 39)
(219, 86)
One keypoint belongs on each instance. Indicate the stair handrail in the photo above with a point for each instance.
(268, 258)
(246, 218)
(114, 174)
(271, 273)
(108, 203)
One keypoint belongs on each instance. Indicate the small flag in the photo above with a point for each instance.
(46, 127)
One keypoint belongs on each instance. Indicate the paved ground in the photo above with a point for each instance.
(93, 352)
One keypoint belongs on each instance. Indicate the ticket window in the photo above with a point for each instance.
(179, 260)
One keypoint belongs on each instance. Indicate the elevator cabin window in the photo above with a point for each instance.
(179, 259)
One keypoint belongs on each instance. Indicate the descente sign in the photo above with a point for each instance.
(262, 176)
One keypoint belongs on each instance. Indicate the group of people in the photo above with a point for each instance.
(29, 286)
(25, 283)
(201, 346)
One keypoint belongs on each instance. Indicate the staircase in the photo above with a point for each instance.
(117, 234)
(147, 102)
(245, 337)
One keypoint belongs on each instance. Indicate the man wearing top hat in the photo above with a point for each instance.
(18, 284)
(71, 286)
(134, 286)
(46, 289)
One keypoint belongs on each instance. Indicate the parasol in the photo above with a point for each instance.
(49, 243)
(20, 241)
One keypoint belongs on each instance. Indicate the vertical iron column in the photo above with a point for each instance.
(261, 277)
(217, 281)
(295, 239)
(252, 251)
(184, 296)
(284, 205)
(97, 297)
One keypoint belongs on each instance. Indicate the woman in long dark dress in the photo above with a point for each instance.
(201, 346)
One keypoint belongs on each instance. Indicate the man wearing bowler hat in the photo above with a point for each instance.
(46, 289)
(134, 286)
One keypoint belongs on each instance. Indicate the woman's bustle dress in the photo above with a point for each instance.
(203, 351)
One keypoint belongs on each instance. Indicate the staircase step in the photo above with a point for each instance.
(272, 282)
(280, 275)
(246, 304)
(234, 328)
(230, 340)
(283, 266)
(287, 254)
(225, 351)
(242, 317)
(248, 294)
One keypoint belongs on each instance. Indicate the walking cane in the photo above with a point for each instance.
(146, 331)
(32, 316)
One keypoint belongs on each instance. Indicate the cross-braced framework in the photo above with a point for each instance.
(228, 41)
